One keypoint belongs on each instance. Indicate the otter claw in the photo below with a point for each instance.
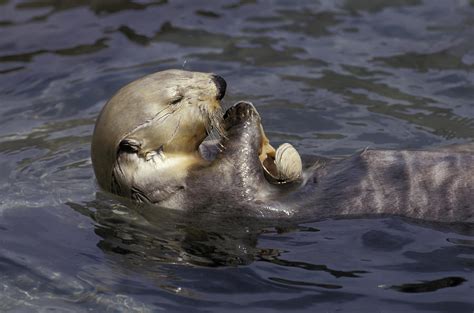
(150, 155)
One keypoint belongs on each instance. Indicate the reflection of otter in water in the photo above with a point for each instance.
(147, 145)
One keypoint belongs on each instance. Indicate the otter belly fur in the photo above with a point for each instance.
(148, 146)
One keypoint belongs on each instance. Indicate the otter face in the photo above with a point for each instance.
(168, 112)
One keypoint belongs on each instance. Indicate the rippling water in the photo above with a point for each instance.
(331, 77)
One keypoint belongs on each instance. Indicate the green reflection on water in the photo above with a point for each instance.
(97, 6)
(377, 5)
(440, 121)
(100, 44)
(424, 62)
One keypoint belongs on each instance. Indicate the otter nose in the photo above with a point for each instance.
(221, 86)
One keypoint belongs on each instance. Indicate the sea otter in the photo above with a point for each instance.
(148, 145)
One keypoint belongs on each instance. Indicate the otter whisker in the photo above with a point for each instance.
(215, 140)
(220, 146)
(175, 131)
(213, 137)
(156, 118)
(216, 121)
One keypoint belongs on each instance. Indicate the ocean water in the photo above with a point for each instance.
(331, 77)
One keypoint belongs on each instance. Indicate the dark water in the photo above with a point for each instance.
(331, 77)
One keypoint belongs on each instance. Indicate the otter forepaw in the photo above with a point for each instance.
(240, 113)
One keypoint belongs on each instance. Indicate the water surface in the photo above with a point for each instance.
(331, 77)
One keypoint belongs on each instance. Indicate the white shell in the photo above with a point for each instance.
(288, 163)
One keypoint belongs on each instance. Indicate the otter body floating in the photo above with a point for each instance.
(148, 145)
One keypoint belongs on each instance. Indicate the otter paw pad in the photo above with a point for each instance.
(240, 112)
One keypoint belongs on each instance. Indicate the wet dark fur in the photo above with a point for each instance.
(428, 185)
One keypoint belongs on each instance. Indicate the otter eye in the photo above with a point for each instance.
(176, 99)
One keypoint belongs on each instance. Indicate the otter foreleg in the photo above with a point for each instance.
(282, 165)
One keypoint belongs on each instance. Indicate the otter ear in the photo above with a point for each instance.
(129, 145)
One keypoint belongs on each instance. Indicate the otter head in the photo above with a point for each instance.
(169, 113)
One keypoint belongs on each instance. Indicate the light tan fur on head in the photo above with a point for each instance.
(148, 135)
(161, 115)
